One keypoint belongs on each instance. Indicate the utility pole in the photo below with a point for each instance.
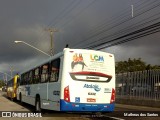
(52, 30)
(5, 78)
(11, 69)
(132, 10)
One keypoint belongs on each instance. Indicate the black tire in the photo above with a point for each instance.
(12, 99)
(38, 105)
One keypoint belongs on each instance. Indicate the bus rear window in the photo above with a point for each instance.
(90, 76)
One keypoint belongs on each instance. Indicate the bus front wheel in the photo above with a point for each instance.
(38, 105)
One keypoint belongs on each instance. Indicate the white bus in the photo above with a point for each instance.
(73, 80)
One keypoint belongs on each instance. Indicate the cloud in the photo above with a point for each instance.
(34, 35)
(26, 21)
(21, 56)
(146, 48)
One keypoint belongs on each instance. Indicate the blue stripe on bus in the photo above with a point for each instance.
(71, 106)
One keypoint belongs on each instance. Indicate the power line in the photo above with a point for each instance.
(120, 24)
(61, 14)
(129, 34)
(137, 33)
(140, 30)
(78, 14)
(116, 17)
(69, 10)
(133, 38)
(65, 13)
(106, 24)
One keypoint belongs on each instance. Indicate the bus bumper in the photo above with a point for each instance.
(71, 106)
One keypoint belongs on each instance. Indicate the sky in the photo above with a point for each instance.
(79, 23)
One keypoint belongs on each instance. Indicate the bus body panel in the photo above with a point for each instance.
(65, 106)
(50, 101)
(89, 81)
(54, 95)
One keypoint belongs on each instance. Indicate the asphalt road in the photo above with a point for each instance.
(127, 112)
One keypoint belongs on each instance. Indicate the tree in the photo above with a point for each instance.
(155, 67)
(1, 83)
(133, 65)
(148, 67)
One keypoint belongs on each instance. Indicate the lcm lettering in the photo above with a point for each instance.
(96, 58)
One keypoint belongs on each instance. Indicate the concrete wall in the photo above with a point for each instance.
(139, 102)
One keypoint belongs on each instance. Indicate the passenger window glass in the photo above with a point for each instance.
(18, 81)
(44, 75)
(30, 77)
(55, 66)
(25, 78)
(22, 79)
(36, 76)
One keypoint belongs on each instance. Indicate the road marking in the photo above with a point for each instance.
(116, 118)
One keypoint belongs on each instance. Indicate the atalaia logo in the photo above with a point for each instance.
(95, 87)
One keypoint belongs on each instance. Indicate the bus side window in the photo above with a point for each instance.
(36, 77)
(55, 66)
(26, 78)
(30, 79)
(18, 81)
(22, 80)
(44, 73)
(33, 82)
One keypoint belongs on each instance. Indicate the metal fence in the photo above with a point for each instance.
(140, 85)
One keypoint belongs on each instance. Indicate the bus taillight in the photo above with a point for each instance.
(66, 94)
(112, 96)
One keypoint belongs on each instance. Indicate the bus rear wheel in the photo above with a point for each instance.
(38, 105)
